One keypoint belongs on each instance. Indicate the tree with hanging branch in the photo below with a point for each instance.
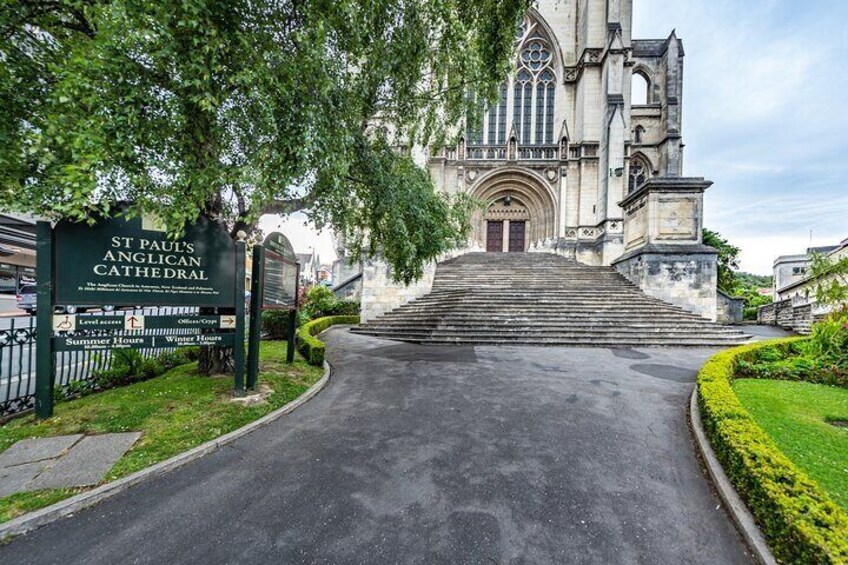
(232, 109)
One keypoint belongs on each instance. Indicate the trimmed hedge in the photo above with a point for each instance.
(801, 523)
(310, 346)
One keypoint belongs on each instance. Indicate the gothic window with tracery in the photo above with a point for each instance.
(639, 173)
(536, 77)
(532, 90)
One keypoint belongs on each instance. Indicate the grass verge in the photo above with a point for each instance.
(800, 522)
(175, 412)
(796, 415)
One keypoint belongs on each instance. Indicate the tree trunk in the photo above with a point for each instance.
(215, 359)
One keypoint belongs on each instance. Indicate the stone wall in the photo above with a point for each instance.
(729, 310)
(685, 279)
(796, 317)
(351, 289)
(380, 293)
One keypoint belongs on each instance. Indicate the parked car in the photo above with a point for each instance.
(26, 299)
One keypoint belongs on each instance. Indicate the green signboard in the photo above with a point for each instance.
(119, 261)
(132, 262)
(280, 274)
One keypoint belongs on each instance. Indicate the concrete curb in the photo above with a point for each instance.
(742, 517)
(44, 516)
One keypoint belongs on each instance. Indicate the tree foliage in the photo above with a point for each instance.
(831, 279)
(235, 108)
(728, 259)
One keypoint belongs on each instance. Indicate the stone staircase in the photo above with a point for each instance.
(542, 299)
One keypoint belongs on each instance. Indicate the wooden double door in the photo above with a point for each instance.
(495, 235)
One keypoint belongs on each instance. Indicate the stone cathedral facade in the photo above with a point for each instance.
(572, 159)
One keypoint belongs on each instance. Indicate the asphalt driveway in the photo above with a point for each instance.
(436, 455)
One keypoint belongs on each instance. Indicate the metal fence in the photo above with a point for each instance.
(17, 356)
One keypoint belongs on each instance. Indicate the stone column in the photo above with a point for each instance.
(663, 251)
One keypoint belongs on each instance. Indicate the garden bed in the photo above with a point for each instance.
(175, 412)
(800, 521)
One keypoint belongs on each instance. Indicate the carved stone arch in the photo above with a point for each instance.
(531, 200)
(553, 40)
(647, 75)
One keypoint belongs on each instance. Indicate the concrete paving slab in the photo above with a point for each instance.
(86, 463)
(14, 479)
(30, 450)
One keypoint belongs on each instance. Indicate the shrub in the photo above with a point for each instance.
(800, 522)
(128, 366)
(191, 353)
(129, 359)
(320, 301)
(171, 359)
(150, 368)
(275, 324)
(113, 377)
(345, 308)
(812, 359)
(310, 346)
(829, 340)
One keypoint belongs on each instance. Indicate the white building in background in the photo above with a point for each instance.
(795, 306)
(792, 280)
(309, 265)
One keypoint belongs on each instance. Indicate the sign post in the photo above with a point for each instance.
(133, 262)
(45, 361)
(238, 347)
(291, 337)
(255, 315)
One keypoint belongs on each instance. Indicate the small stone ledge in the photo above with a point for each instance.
(667, 249)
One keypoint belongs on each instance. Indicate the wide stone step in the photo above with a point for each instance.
(542, 299)
(553, 308)
(582, 341)
(500, 324)
(529, 333)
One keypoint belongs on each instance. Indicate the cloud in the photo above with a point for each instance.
(302, 234)
(762, 93)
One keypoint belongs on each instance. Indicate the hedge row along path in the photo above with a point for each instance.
(800, 522)
(416, 454)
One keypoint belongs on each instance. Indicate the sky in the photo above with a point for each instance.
(763, 117)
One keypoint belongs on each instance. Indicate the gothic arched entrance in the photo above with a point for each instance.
(518, 210)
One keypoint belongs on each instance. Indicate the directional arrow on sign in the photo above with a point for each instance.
(228, 322)
(134, 322)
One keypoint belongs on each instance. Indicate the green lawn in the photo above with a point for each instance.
(175, 412)
(796, 415)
